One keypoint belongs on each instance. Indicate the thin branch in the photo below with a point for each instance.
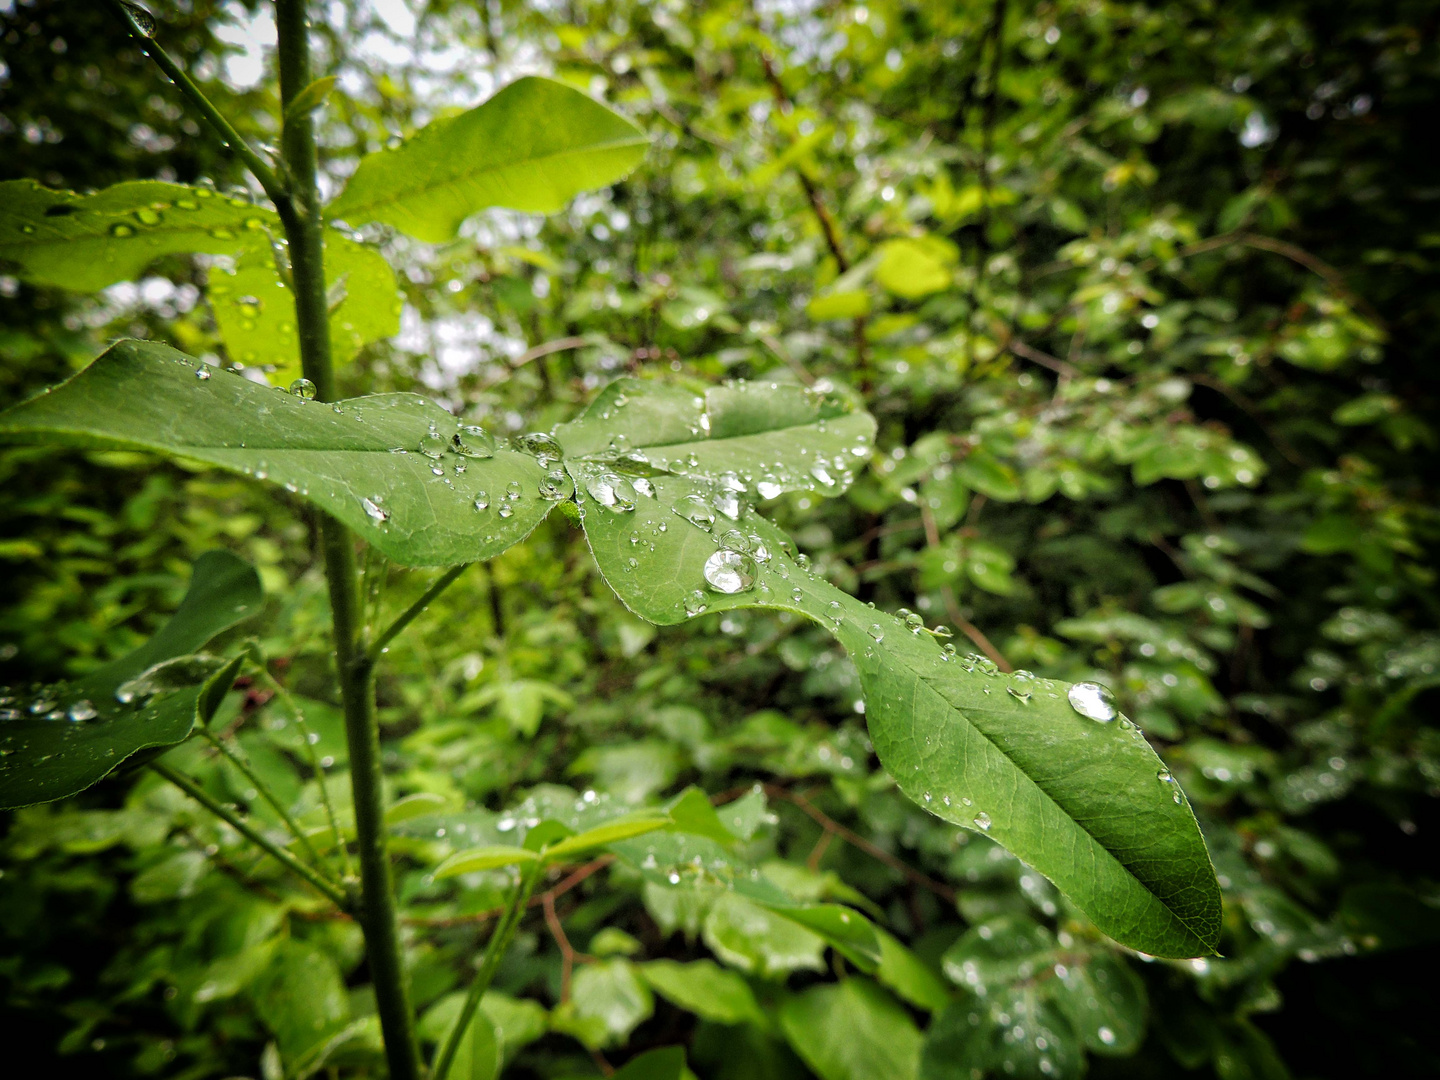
(548, 347)
(278, 192)
(568, 953)
(973, 632)
(829, 824)
(263, 789)
(1036, 356)
(411, 613)
(331, 891)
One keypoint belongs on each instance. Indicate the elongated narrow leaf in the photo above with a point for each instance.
(63, 739)
(86, 242)
(1087, 803)
(482, 858)
(359, 460)
(533, 146)
(757, 438)
(255, 311)
(610, 833)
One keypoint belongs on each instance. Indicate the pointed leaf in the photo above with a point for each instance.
(482, 858)
(86, 242)
(852, 1030)
(1088, 804)
(344, 458)
(533, 146)
(705, 989)
(92, 733)
(625, 828)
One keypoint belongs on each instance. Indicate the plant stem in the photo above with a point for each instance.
(500, 939)
(236, 822)
(409, 615)
(304, 229)
(264, 791)
(228, 135)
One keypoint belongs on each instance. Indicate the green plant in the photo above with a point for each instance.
(661, 477)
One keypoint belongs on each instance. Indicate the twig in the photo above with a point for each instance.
(263, 789)
(545, 349)
(579, 875)
(973, 632)
(829, 824)
(413, 611)
(330, 890)
(568, 955)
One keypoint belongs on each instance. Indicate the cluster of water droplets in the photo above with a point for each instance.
(44, 703)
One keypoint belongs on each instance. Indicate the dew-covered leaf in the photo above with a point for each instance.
(1014, 1032)
(62, 739)
(746, 439)
(1072, 789)
(86, 242)
(533, 146)
(366, 461)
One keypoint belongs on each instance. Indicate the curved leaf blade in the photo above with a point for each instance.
(533, 146)
(46, 759)
(482, 858)
(1084, 803)
(86, 242)
(770, 437)
(343, 458)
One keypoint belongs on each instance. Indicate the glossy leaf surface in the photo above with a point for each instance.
(83, 732)
(533, 146)
(359, 460)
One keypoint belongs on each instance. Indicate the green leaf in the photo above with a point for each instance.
(665, 1063)
(912, 269)
(612, 832)
(86, 242)
(903, 972)
(769, 437)
(482, 858)
(608, 1000)
(477, 1057)
(763, 942)
(533, 146)
(255, 310)
(43, 759)
(1014, 1032)
(343, 458)
(1086, 803)
(705, 989)
(310, 97)
(1105, 1002)
(849, 304)
(413, 806)
(301, 999)
(852, 1030)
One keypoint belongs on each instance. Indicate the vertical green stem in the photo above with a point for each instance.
(500, 939)
(304, 229)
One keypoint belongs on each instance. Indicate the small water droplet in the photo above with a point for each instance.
(695, 603)
(143, 20)
(148, 216)
(876, 631)
(512, 491)
(121, 231)
(202, 372)
(1093, 701)
(1165, 776)
(304, 389)
(81, 711)
(1022, 696)
(730, 572)
(913, 622)
(542, 447)
(643, 486)
(982, 821)
(433, 445)
(506, 510)
(482, 500)
(835, 612)
(1106, 1036)
(556, 486)
(613, 491)
(374, 511)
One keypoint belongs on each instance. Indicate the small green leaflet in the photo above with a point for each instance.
(363, 461)
(63, 739)
(533, 146)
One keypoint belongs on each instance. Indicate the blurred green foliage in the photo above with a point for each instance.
(1143, 300)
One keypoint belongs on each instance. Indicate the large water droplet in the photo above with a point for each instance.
(433, 445)
(1022, 696)
(540, 446)
(482, 500)
(694, 510)
(556, 486)
(643, 486)
(982, 821)
(512, 491)
(473, 441)
(727, 502)
(1093, 701)
(913, 622)
(769, 487)
(303, 389)
(612, 490)
(730, 572)
(143, 20)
